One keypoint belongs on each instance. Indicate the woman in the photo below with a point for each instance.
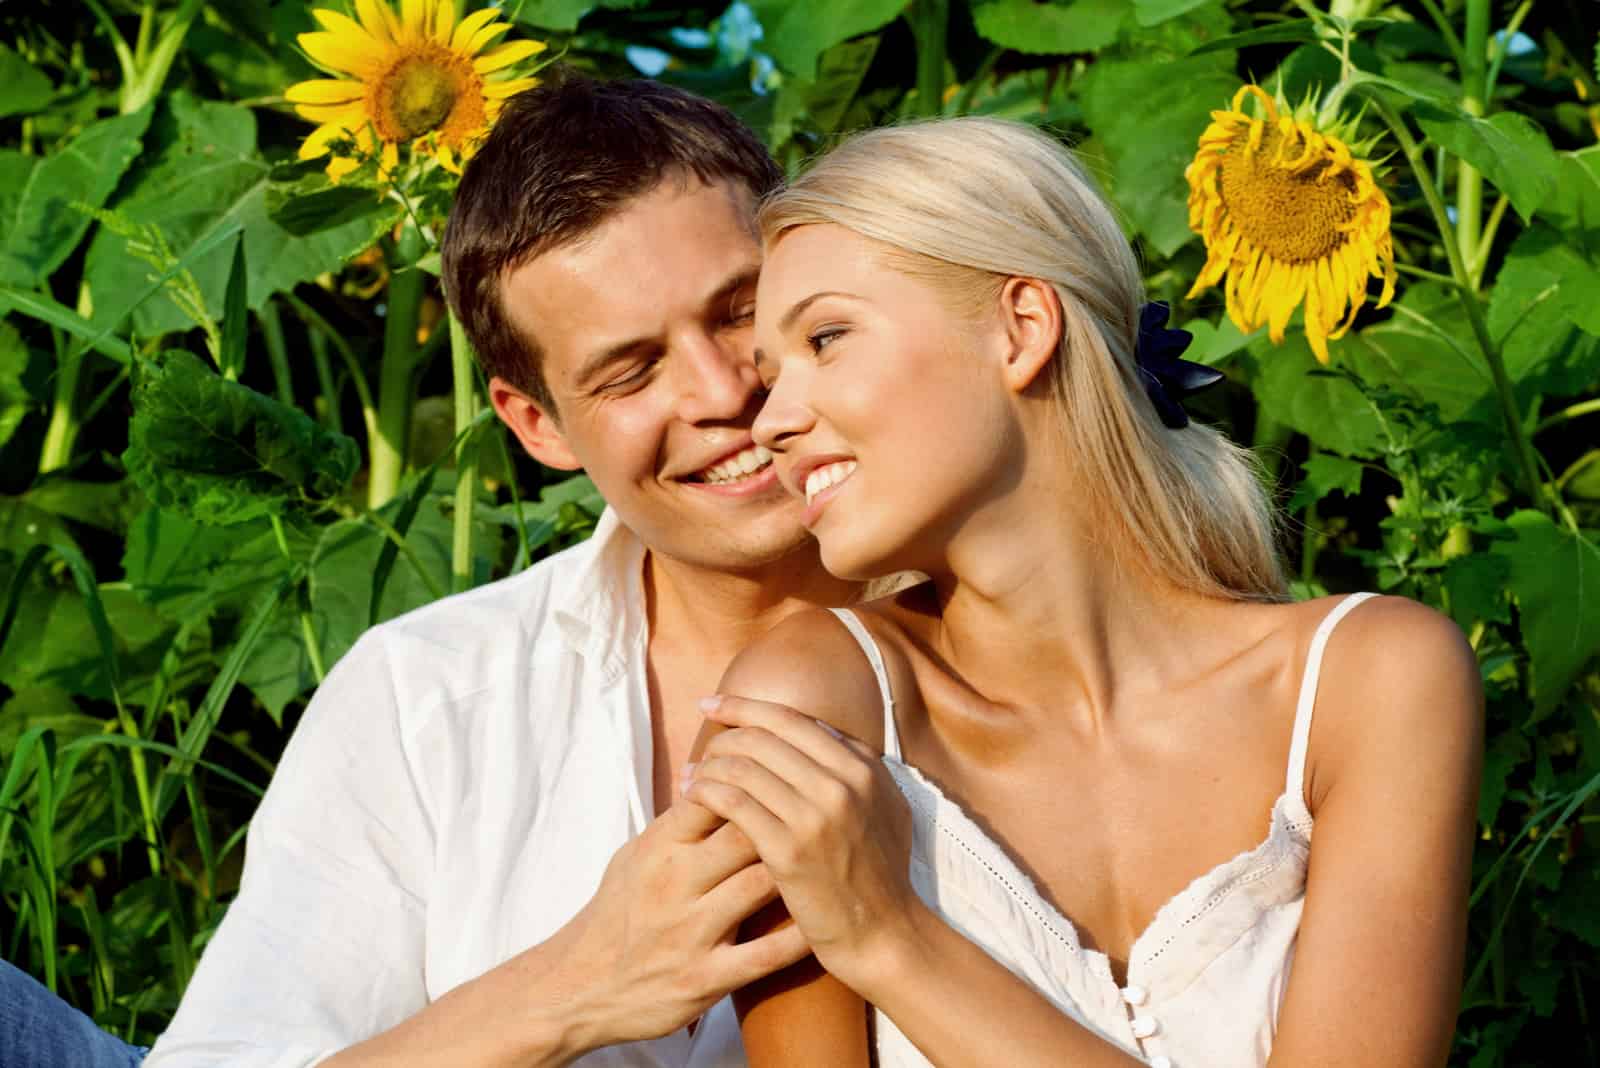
(1100, 707)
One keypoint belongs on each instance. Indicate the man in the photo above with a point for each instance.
(470, 852)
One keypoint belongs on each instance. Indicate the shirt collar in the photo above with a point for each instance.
(600, 611)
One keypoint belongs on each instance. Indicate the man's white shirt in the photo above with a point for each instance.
(450, 798)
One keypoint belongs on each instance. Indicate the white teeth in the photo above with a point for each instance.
(830, 475)
(735, 467)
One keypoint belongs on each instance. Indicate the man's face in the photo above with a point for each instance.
(645, 329)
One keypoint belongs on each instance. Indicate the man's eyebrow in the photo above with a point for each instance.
(800, 306)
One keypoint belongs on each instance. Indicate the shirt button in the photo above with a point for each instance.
(1135, 995)
(1160, 1062)
(1145, 1026)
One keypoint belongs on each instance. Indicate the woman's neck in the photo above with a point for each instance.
(1040, 610)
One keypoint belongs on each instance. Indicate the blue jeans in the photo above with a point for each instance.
(39, 1030)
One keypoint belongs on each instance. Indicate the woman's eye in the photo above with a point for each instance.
(820, 339)
(742, 316)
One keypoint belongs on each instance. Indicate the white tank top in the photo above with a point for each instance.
(1204, 980)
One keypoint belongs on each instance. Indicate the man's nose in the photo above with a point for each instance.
(720, 381)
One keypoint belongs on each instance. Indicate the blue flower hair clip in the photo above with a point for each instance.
(1166, 378)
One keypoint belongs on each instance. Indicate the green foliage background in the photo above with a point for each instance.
(186, 546)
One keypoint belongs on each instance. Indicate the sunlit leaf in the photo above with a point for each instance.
(1043, 29)
(1555, 577)
(1511, 150)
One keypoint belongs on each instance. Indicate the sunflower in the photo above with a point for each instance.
(415, 77)
(1290, 216)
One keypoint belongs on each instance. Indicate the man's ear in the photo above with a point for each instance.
(537, 429)
(1030, 314)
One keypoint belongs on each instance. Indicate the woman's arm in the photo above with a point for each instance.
(834, 830)
(800, 1016)
(1396, 750)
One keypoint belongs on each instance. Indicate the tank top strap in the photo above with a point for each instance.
(1294, 784)
(869, 645)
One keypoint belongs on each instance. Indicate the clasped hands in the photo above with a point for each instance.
(828, 822)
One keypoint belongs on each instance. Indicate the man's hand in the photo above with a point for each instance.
(655, 947)
(651, 951)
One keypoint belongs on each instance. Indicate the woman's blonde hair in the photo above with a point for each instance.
(966, 203)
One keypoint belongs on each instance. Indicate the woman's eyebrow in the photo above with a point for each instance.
(801, 305)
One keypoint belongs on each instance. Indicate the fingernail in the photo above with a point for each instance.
(686, 777)
(712, 703)
(830, 729)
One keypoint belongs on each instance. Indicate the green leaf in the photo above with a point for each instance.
(223, 453)
(60, 645)
(1547, 291)
(1295, 389)
(1051, 29)
(1152, 12)
(184, 569)
(1148, 117)
(1476, 584)
(798, 33)
(1277, 33)
(1510, 149)
(303, 201)
(1326, 473)
(341, 572)
(24, 89)
(15, 402)
(1500, 759)
(824, 101)
(235, 316)
(562, 15)
(64, 318)
(48, 220)
(1574, 909)
(1555, 577)
(204, 178)
(1429, 354)
(1574, 208)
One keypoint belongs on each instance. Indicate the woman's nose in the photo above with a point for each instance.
(783, 415)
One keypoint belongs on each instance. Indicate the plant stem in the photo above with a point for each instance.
(63, 429)
(153, 68)
(396, 375)
(308, 633)
(328, 402)
(321, 328)
(1474, 79)
(277, 353)
(1587, 407)
(930, 23)
(1521, 444)
(463, 369)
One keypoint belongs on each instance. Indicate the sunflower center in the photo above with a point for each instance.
(1278, 197)
(416, 96)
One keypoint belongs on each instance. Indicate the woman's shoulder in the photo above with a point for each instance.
(812, 663)
(1399, 687)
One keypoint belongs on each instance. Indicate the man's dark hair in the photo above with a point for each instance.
(562, 159)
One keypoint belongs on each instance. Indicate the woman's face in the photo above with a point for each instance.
(887, 409)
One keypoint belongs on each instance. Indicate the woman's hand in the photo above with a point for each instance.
(829, 823)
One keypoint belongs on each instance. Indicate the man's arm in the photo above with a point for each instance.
(322, 954)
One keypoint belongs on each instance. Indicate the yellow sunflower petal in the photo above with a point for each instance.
(317, 143)
(324, 91)
(349, 115)
(447, 159)
(444, 20)
(378, 18)
(339, 166)
(471, 25)
(337, 52)
(343, 25)
(415, 16)
(389, 160)
(505, 55)
(484, 37)
(510, 87)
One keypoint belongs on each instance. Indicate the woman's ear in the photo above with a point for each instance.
(537, 429)
(1030, 314)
